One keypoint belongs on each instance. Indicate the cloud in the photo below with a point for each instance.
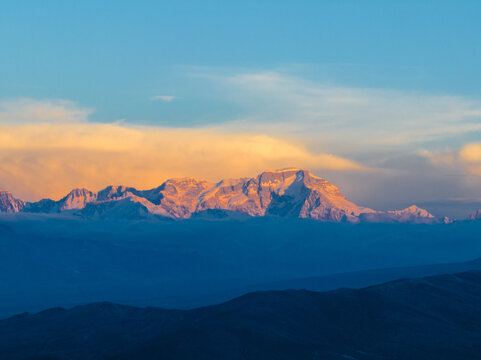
(470, 156)
(47, 147)
(347, 119)
(26, 110)
(166, 98)
(47, 159)
(471, 153)
(466, 160)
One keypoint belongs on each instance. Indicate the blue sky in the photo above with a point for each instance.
(392, 86)
(113, 55)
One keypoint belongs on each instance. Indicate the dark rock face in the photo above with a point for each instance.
(429, 318)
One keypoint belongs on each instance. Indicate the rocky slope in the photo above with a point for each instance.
(74, 200)
(8, 203)
(287, 193)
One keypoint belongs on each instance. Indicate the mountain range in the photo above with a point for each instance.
(286, 193)
(427, 318)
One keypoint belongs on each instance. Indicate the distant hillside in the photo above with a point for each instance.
(54, 260)
(430, 318)
(359, 279)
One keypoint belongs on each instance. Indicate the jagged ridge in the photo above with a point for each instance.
(286, 193)
(10, 204)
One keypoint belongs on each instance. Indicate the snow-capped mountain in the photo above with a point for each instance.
(8, 203)
(412, 213)
(75, 199)
(287, 193)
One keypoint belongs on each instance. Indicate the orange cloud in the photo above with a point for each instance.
(466, 159)
(470, 155)
(47, 160)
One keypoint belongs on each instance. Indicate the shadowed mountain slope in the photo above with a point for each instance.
(429, 318)
(359, 279)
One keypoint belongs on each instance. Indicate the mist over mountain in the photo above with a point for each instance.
(290, 193)
(61, 259)
(189, 242)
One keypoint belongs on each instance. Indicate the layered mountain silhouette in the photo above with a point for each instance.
(287, 193)
(360, 279)
(427, 318)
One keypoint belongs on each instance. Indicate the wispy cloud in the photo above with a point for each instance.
(387, 129)
(346, 118)
(166, 98)
(466, 160)
(27, 110)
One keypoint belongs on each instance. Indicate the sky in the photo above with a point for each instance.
(382, 98)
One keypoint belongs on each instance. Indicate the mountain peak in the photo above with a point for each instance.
(288, 169)
(185, 180)
(475, 215)
(416, 210)
(288, 192)
(10, 204)
(295, 170)
(79, 192)
(291, 192)
(112, 192)
(77, 199)
(289, 172)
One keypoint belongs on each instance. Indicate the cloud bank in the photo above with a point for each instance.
(47, 159)
(466, 159)
(423, 146)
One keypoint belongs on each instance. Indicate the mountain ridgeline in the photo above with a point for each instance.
(291, 193)
(428, 318)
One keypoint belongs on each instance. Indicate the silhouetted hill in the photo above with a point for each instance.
(430, 318)
(359, 279)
